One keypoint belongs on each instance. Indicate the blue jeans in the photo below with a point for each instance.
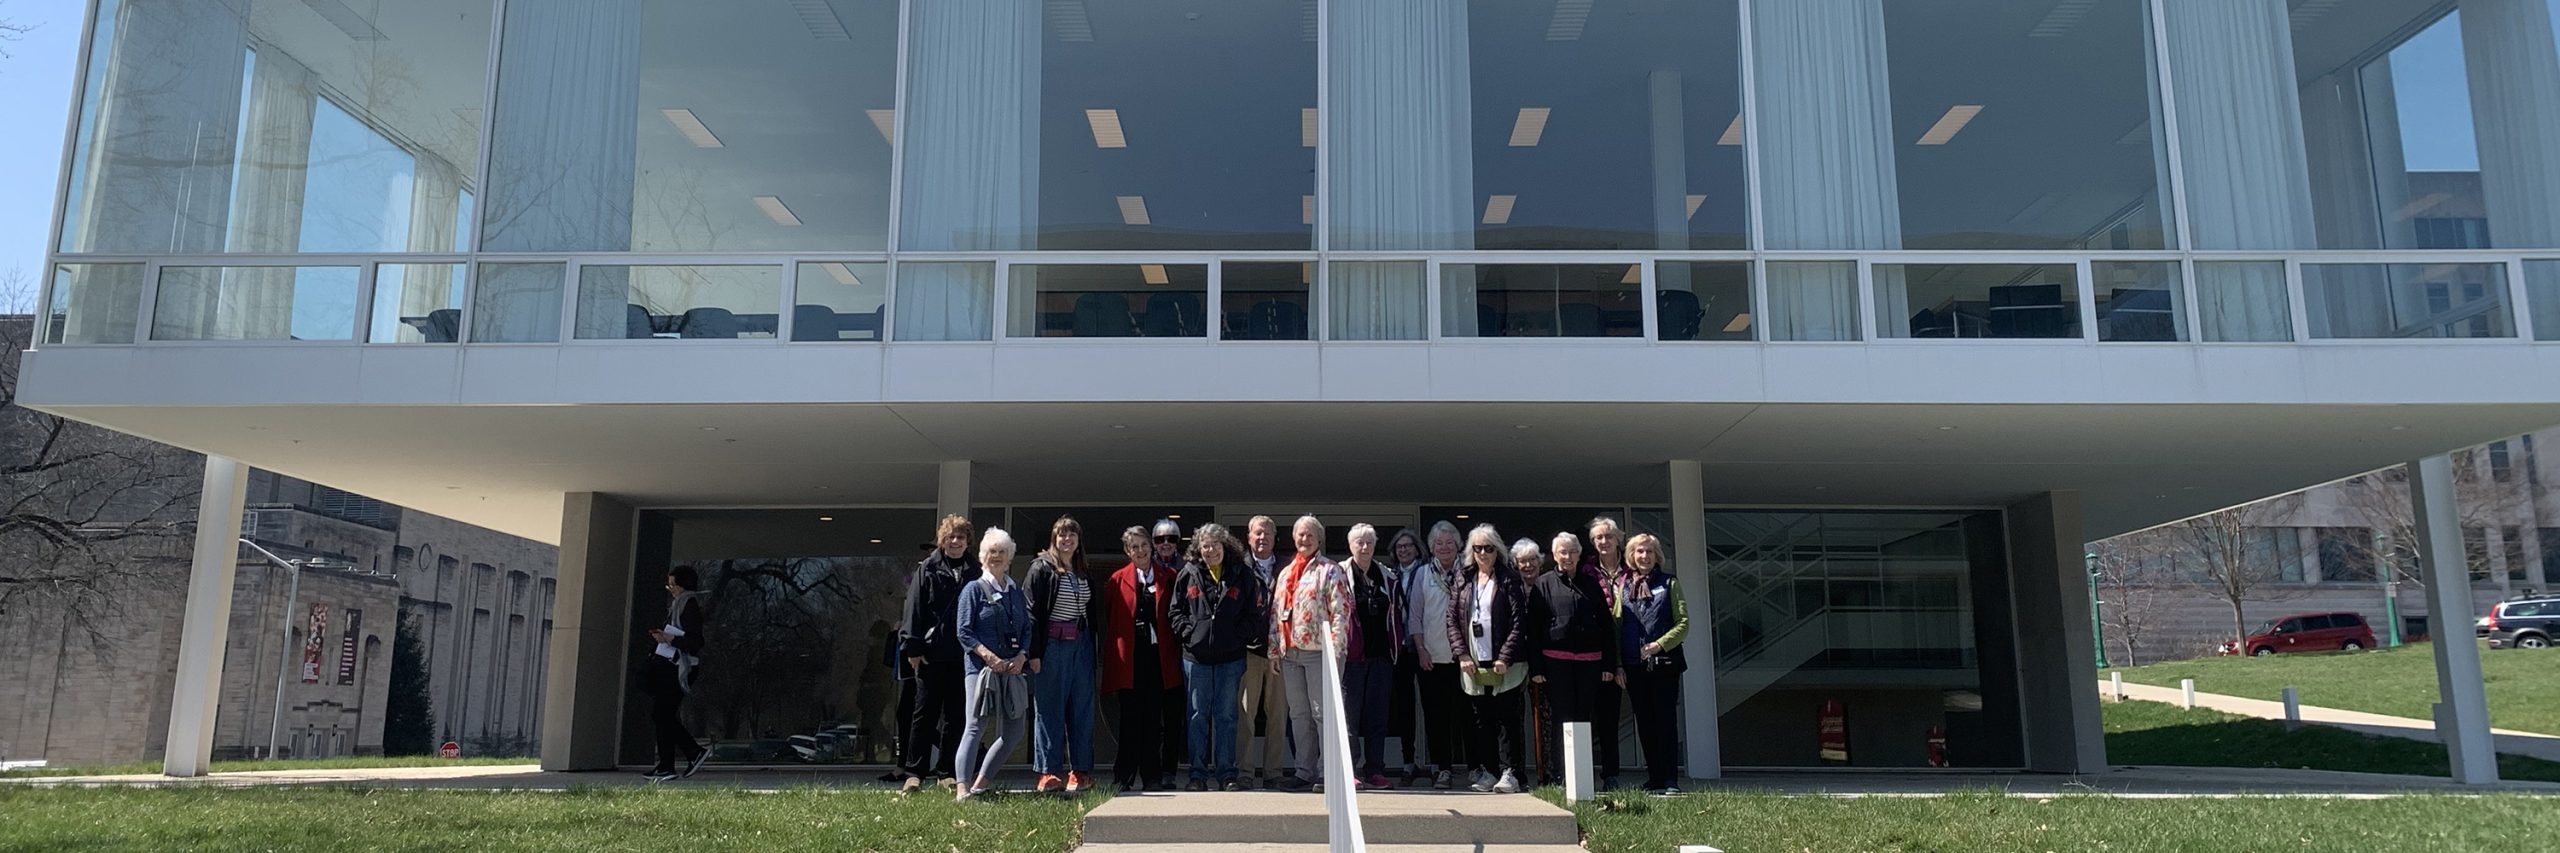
(1215, 698)
(1364, 695)
(1062, 708)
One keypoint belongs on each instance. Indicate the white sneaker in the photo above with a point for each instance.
(1483, 782)
(1509, 785)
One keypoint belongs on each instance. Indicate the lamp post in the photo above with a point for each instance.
(293, 589)
(2097, 620)
(2390, 585)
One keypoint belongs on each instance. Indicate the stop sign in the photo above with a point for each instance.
(449, 750)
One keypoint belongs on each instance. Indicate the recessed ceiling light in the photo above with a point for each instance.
(1528, 127)
(875, 541)
(886, 121)
(1732, 133)
(774, 210)
(820, 17)
(1306, 210)
(1069, 19)
(1497, 210)
(1635, 275)
(1174, 515)
(841, 273)
(1154, 274)
(1740, 322)
(1945, 428)
(1133, 210)
(1693, 202)
(710, 429)
(692, 128)
(1306, 127)
(1106, 128)
(1950, 124)
(826, 518)
(1462, 516)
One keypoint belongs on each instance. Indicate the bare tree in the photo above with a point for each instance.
(2380, 500)
(2133, 575)
(2222, 548)
(12, 31)
(17, 291)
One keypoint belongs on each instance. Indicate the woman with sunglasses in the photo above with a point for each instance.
(1487, 634)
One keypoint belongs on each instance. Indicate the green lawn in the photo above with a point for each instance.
(346, 763)
(2160, 735)
(1990, 822)
(637, 820)
(2524, 685)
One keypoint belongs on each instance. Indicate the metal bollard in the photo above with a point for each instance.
(2292, 709)
(2118, 678)
(1577, 760)
(2187, 693)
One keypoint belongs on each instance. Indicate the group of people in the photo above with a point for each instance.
(1199, 636)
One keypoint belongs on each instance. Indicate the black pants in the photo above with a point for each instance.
(1400, 703)
(1152, 728)
(933, 731)
(1656, 697)
(1574, 693)
(906, 712)
(1493, 736)
(1604, 726)
(1443, 710)
(676, 746)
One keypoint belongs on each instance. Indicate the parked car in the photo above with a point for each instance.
(2526, 623)
(2305, 632)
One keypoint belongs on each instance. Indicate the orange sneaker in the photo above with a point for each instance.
(1048, 783)
(1078, 782)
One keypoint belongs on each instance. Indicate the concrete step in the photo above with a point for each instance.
(1226, 819)
(1319, 848)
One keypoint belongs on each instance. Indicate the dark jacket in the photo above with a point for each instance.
(1510, 611)
(1261, 645)
(1386, 594)
(1215, 620)
(1043, 586)
(1569, 613)
(931, 629)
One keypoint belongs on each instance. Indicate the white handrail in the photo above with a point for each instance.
(1341, 795)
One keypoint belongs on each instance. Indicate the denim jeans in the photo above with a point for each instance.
(1062, 706)
(1364, 694)
(1214, 704)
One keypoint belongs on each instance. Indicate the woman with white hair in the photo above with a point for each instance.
(1488, 637)
(1310, 603)
(995, 629)
(1369, 664)
(1571, 624)
(1426, 605)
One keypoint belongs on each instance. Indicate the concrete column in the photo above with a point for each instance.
(590, 634)
(1701, 734)
(2462, 711)
(207, 626)
(2050, 586)
(953, 496)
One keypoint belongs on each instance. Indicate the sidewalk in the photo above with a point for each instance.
(2509, 741)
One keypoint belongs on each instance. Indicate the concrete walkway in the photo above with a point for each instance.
(2509, 741)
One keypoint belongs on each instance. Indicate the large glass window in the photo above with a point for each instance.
(2139, 301)
(946, 302)
(1132, 124)
(681, 126)
(2407, 300)
(1703, 300)
(839, 301)
(93, 304)
(1376, 301)
(696, 301)
(1536, 126)
(1959, 124)
(517, 303)
(1541, 300)
(1109, 301)
(1977, 301)
(2542, 294)
(1813, 301)
(2243, 301)
(279, 126)
(255, 304)
(416, 303)
(1266, 301)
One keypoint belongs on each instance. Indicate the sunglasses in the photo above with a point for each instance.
(1168, 538)
(1484, 549)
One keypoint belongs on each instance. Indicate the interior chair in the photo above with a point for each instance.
(1103, 315)
(444, 326)
(1678, 315)
(814, 323)
(708, 322)
(636, 322)
(1173, 315)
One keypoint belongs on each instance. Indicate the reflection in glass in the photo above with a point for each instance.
(278, 126)
(517, 303)
(1962, 124)
(1703, 300)
(2139, 301)
(1109, 301)
(1813, 301)
(680, 126)
(1265, 301)
(93, 304)
(1137, 124)
(653, 302)
(416, 303)
(839, 301)
(2243, 301)
(2542, 292)
(2407, 300)
(255, 304)
(1541, 300)
(1375, 301)
(1977, 301)
(946, 302)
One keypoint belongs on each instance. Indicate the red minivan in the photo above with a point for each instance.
(2306, 632)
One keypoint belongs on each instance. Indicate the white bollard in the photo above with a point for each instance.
(2118, 678)
(2187, 693)
(1577, 761)
(2292, 709)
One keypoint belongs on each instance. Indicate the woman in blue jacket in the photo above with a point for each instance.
(995, 631)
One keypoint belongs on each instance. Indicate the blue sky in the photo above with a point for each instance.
(35, 95)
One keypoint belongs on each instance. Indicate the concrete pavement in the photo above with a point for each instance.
(2508, 741)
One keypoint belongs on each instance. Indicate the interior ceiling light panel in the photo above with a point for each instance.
(841, 273)
(1497, 210)
(1732, 132)
(694, 131)
(886, 121)
(1106, 128)
(1154, 274)
(1950, 124)
(775, 210)
(1528, 127)
(2058, 22)
(820, 17)
(1569, 19)
(1068, 19)
(1133, 210)
(345, 19)
(1306, 127)
(1694, 201)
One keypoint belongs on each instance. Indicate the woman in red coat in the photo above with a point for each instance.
(1134, 630)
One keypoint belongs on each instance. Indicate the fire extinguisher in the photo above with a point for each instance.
(1938, 746)
(1835, 733)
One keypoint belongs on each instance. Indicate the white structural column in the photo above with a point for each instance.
(208, 618)
(953, 496)
(1699, 732)
(2462, 709)
(591, 636)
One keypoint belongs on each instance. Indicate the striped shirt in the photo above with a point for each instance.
(1072, 597)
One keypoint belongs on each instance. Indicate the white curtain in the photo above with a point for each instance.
(945, 302)
(2513, 65)
(2243, 301)
(266, 198)
(565, 142)
(1826, 161)
(972, 128)
(2240, 123)
(1403, 163)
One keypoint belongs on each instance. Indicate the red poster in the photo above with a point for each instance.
(1835, 732)
(311, 645)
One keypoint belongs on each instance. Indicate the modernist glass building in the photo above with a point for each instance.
(1874, 309)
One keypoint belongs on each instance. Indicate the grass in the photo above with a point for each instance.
(1743, 822)
(624, 819)
(341, 763)
(2524, 690)
(2160, 735)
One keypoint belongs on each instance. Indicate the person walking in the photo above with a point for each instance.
(1487, 634)
(1653, 620)
(995, 629)
(1311, 604)
(1440, 703)
(1142, 661)
(1369, 660)
(668, 676)
(1217, 609)
(1575, 632)
(929, 640)
(1264, 709)
(1062, 673)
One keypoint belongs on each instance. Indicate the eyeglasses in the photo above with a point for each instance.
(1168, 538)
(1484, 549)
